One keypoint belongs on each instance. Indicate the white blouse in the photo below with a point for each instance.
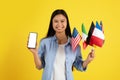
(59, 64)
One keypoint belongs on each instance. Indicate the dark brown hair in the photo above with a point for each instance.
(51, 31)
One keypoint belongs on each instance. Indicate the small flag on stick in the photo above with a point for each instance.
(76, 38)
(90, 34)
(97, 37)
(84, 36)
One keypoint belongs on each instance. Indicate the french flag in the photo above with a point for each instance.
(97, 37)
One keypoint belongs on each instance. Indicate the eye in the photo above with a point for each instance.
(56, 21)
(62, 21)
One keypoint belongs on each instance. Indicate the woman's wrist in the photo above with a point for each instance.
(85, 63)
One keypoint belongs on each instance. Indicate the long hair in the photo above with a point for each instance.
(51, 31)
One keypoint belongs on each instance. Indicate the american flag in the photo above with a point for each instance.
(75, 39)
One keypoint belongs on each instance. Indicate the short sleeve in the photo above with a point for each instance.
(78, 61)
(41, 52)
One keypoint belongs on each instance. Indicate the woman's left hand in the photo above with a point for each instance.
(91, 55)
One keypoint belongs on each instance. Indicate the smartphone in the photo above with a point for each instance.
(32, 39)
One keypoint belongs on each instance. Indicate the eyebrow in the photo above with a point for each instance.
(57, 19)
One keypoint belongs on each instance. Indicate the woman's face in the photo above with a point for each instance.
(59, 23)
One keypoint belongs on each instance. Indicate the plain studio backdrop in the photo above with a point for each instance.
(19, 17)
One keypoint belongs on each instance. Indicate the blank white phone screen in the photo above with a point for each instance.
(32, 40)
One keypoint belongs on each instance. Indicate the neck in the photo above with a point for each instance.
(61, 37)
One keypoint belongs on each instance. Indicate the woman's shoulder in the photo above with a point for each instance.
(48, 39)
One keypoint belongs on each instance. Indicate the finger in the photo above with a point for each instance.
(92, 54)
(92, 49)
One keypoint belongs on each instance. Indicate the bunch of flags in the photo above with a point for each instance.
(95, 36)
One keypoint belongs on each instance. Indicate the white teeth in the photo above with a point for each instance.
(59, 27)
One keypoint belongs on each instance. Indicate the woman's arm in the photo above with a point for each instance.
(89, 58)
(37, 60)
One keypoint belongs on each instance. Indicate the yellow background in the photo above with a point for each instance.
(19, 17)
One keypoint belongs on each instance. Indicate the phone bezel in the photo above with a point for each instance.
(28, 40)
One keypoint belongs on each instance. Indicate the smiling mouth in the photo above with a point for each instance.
(59, 28)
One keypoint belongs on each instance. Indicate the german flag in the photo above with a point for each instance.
(88, 40)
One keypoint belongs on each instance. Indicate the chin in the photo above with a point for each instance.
(60, 31)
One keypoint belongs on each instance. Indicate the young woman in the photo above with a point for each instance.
(55, 53)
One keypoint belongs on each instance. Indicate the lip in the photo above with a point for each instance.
(59, 28)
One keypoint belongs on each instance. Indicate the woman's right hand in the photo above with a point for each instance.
(33, 50)
(37, 59)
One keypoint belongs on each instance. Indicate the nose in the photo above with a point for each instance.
(59, 24)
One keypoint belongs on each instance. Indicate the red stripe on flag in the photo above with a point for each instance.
(75, 41)
(97, 41)
(85, 45)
